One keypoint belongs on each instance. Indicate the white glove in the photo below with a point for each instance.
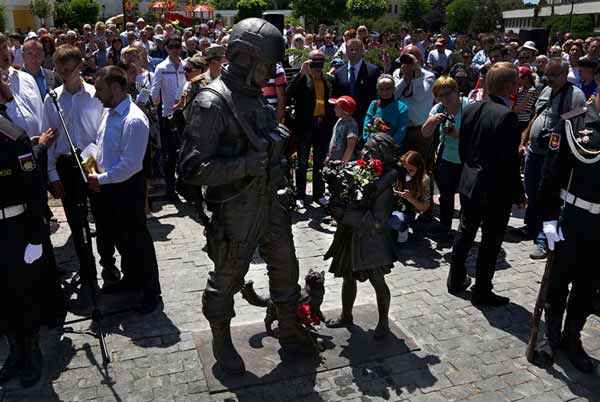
(33, 252)
(553, 233)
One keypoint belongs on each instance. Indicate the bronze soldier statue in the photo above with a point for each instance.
(234, 146)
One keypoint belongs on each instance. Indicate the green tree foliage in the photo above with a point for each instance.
(583, 25)
(250, 8)
(2, 18)
(367, 8)
(76, 13)
(412, 12)
(41, 8)
(224, 4)
(318, 12)
(459, 14)
(488, 16)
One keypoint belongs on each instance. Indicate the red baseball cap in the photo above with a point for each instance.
(347, 103)
(524, 71)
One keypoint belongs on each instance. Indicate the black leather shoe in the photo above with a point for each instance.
(12, 364)
(150, 304)
(577, 355)
(31, 371)
(489, 299)
(457, 290)
(111, 275)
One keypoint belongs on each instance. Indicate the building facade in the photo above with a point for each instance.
(18, 16)
(515, 20)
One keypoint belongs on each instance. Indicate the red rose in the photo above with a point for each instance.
(306, 316)
(362, 163)
(377, 166)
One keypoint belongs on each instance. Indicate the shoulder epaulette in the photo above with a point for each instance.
(574, 113)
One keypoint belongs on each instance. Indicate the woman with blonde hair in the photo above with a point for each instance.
(445, 120)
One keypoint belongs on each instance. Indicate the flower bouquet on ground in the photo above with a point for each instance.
(351, 184)
(378, 126)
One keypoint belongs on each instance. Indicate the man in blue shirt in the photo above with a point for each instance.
(121, 186)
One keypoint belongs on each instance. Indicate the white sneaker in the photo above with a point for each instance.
(402, 237)
(324, 201)
(299, 204)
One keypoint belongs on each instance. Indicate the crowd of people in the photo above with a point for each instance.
(450, 103)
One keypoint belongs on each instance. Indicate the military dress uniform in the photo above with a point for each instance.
(570, 200)
(22, 228)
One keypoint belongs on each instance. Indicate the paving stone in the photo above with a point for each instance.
(466, 353)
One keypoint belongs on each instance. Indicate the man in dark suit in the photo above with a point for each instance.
(489, 185)
(33, 57)
(358, 79)
(309, 91)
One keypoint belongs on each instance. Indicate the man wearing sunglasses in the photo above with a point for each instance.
(310, 90)
(166, 90)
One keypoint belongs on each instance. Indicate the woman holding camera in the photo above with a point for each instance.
(445, 119)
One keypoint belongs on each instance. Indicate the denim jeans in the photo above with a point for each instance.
(402, 221)
(533, 176)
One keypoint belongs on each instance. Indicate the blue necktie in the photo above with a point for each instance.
(352, 79)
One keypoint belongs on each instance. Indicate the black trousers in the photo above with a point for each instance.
(121, 211)
(447, 177)
(492, 217)
(20, 283)
(170, 144)
(316, 137)
(75, 204)
(575, 263)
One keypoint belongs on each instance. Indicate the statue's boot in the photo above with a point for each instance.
(293, 337)
(227, 357)
(32, 362)
(571, 342)
(11, 366)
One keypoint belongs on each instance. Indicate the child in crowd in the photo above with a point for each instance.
(413, 195)
(345, 130)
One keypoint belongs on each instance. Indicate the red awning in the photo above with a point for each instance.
(169, 5)
(204, 8)
(158, 4)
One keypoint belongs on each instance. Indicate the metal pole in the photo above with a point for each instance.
(571, 16)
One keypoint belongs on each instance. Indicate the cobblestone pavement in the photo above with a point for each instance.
(466, 353)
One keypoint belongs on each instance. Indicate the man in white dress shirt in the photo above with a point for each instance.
(120, 185)
(25, 109)
(83, 114)
(166, 90)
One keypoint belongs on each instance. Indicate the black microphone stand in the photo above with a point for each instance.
(97, 315)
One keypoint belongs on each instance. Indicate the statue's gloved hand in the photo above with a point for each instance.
(256, 163)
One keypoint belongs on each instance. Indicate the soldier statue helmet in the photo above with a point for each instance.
(254, 47)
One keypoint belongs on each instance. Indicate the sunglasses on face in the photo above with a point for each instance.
(445, 94)
(174, 47)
